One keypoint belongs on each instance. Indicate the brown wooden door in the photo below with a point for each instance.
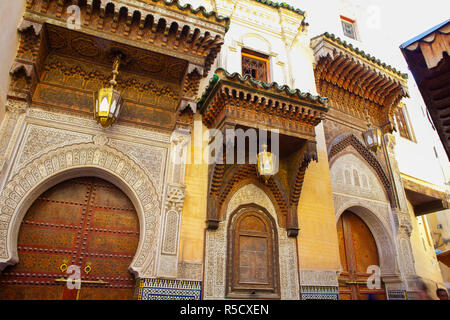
(86, 222)
(358, 251)
(252, 264)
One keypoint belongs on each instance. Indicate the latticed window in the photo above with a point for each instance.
(348, 27)
(255, 65)
(402, 123)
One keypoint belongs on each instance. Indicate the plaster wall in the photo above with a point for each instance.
(425, 262)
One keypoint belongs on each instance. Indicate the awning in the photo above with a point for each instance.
(428, 58)
(425, 197)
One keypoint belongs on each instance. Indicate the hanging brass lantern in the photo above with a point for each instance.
(266, 163)
(108, 101)
(372, 136)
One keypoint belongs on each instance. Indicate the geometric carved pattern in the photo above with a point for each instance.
(319, 293)
(319, 285)
(20, 189)
(151, 158)
(39, 140)
(171, 233)
(190, 271)
(396, 295)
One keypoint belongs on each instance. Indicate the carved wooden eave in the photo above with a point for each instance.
(428, 59)
(343, 68)
(160, 26)
(233, 101)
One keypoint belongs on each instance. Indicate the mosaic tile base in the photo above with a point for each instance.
(160, 289)
(319, 293)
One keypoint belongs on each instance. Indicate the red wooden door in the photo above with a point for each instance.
(358, 251)
(86, 222)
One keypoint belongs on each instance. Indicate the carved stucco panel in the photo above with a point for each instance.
(406, 258)
(351, 175)
(39, 140)
(152, 158)
(356, 187)
(190, 271)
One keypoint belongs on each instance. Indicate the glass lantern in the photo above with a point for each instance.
(108, 103)
(372, 138)
(266, 163)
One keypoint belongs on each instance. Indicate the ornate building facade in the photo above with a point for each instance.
(136, 209)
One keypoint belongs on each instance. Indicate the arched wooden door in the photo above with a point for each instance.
(253, 257)
(358, 251)
(86, 222)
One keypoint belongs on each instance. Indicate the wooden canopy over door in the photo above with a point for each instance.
(86, 222)
(358, 251)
